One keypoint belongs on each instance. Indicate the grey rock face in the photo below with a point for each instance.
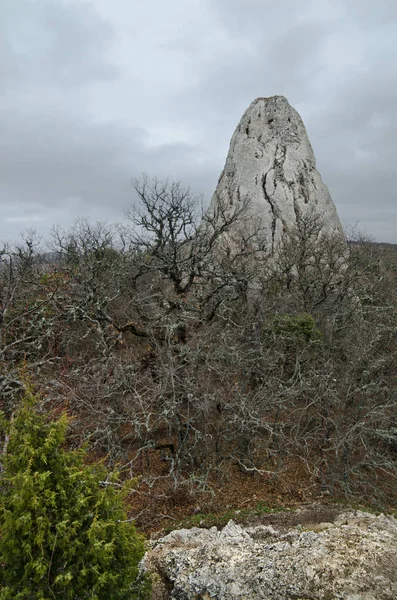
(353, 558)
(271, 164)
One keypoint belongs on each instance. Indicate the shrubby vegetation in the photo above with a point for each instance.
(186, 353)
(64, 533)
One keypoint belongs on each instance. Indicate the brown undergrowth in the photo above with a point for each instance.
(159, 506)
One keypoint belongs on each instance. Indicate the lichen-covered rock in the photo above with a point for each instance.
(272, 166)
(352, 558)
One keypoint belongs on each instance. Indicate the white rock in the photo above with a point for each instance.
(353, 558)
(271, 163)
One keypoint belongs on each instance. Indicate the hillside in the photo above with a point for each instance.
(220, 379)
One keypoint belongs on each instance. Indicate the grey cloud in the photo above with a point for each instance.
(51, 161)
(90, 89)
(53, 43)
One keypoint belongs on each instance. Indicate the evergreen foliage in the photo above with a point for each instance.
(299, 327)
(292, 332)
(63, 535)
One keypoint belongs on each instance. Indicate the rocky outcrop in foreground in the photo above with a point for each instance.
(271, 166)
(352, 558)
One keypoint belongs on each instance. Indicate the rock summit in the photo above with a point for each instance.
(271, 166)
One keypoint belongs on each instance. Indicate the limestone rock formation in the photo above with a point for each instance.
(271, 164)
(352, 558)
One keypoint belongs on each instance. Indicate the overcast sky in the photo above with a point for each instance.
(96, 91)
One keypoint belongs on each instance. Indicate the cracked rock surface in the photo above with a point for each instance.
(271, 163)
(352, 558)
